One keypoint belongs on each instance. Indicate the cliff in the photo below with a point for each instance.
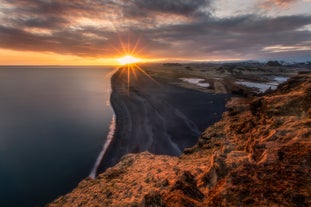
(259, 154)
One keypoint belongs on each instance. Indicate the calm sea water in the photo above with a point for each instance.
(53, 124)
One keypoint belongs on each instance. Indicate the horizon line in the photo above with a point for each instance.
(164, 62)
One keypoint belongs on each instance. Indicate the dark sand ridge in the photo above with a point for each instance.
(158, 117)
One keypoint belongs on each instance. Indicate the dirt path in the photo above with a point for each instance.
(220, 87)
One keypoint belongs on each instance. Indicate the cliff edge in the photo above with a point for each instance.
(259, 154)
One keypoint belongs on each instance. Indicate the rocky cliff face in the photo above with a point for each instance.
(259, 154)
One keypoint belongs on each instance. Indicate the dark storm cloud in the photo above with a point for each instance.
(183, 7)
(242, 37)
(170, 28)
(49, 13)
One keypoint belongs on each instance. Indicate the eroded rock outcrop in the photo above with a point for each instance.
(259, 154)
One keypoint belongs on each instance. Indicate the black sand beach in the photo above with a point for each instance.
(157, 116)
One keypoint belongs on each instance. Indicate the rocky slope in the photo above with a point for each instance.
(259, 154)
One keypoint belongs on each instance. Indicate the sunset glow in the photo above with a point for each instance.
(128, 59)
(79, 33)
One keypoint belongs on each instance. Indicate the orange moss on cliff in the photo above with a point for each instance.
(259, 154)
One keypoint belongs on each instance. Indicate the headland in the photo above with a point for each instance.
(156, 116)
(258, 154)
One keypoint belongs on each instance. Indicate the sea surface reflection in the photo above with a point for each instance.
(53, 124)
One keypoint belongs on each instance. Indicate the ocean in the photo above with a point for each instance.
(54, 122)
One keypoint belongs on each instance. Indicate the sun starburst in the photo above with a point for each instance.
(128, 59)
(129, 62)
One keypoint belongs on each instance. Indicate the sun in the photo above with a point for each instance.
(129, 62)
(128, 59)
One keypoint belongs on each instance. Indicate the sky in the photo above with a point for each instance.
(96, 32)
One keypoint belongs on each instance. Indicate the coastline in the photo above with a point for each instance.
(257, 155)
(155, 116)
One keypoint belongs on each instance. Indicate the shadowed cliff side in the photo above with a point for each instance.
(259, 154)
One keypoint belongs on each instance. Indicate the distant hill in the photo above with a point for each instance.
(273, 63)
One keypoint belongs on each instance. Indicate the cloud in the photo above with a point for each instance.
(182, 7)
(240, 36)
(168, 29)
(269, 4)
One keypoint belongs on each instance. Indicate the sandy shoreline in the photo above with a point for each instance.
(157, 117)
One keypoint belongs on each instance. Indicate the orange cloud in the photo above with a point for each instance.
(268, 4)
